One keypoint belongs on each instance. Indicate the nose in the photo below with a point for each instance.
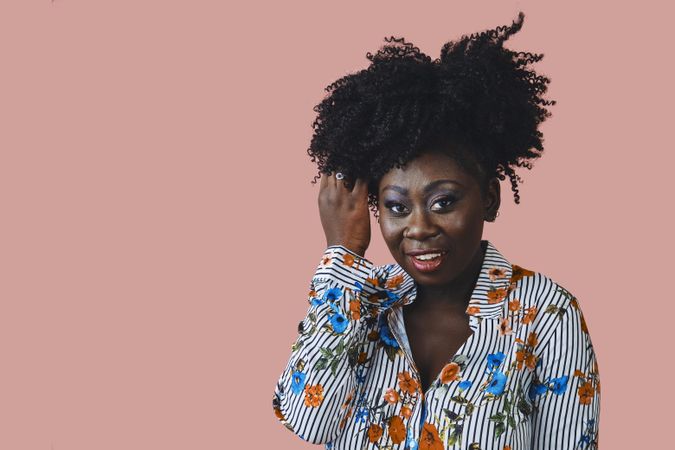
(420, 226)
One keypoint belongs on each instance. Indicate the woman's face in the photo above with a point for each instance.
(434, 204)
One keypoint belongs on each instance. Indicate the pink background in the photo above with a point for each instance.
(156, 203)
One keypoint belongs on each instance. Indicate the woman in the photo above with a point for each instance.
(453, 346)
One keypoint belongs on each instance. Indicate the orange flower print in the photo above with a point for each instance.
(429, 439)
(326, 261)
(355, 309)
(343, 422)
(363, 357)
(496, 295)
(407, 383)
(374, 335)
(530, 314)
(349, 260)
(472, 310)
(449, 372)
(349, 398)
(391, 396)
(279, 414)
(406, 412)
(520, 358)
(373, 281)
(504, 327)
(532, 339)
(394, 282)
(579, 373)
(313, 395)
(586, 391)
(374, 433)
(530, 361)
(526, 357)
(507, 447)
(397, 430)
(514, 305)
(519, 272)
(584, 328)
(495, 273)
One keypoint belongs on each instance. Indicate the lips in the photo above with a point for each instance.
(428, 265)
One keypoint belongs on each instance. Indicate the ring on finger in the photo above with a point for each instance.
(339, 176)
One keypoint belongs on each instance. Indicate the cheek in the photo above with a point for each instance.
(392, 231)
(467, 226)
(464, 222)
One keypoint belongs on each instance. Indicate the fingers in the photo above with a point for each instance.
(348, 184)
(327, 181)
(359, 187)
(344, 184)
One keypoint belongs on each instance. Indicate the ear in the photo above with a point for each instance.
(492, 199)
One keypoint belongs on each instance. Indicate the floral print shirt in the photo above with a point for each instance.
(527, 377)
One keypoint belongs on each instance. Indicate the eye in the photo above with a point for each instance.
(392, 207)
(445, 203)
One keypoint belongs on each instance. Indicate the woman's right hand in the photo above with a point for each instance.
(344, 213)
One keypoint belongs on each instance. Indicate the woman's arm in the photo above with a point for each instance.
(311, 394)
(566, 388)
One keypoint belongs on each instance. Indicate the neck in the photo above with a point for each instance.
(456, 294)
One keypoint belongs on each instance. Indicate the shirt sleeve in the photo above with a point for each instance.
(311, 395)
(566, 388)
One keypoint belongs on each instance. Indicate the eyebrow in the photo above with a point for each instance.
(427, 188)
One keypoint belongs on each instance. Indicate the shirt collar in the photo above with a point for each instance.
(488, 295)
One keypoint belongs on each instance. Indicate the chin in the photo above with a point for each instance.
(431, 280)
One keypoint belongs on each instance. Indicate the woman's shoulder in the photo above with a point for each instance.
(549, 305)
(539, 289)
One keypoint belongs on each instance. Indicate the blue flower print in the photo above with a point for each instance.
(298, 383)
(360, 375)
(494, 360)
(332, 294)
(497, 384)
(339, 322)
(536, 389)
(585, 439)
(559, 385)
(391, 299)
(361, 414)
(410, 441)
(466, 384)
(386, 336)
(316, 301)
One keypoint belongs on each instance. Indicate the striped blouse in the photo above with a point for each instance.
(526, 378)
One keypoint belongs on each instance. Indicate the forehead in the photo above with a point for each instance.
(426, 168)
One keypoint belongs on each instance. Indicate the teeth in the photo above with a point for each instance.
(428, 256)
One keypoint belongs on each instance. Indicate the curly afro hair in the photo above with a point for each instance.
(477, 95)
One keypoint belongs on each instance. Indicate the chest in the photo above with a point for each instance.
(434, 339)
